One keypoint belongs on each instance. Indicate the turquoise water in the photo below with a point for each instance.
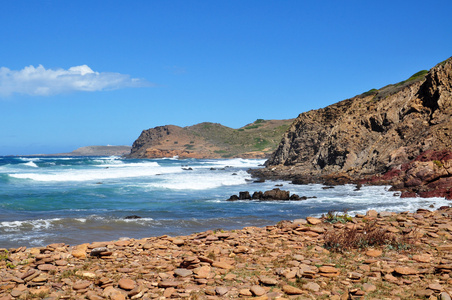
(84, 199)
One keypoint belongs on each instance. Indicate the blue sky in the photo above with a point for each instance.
(79, 73)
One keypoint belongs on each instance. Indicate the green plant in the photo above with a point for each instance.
(370, 92)
(438, 163)
(4, 255)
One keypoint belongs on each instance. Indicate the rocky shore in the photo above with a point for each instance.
(374, 256)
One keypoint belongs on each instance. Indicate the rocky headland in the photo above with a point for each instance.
(398, 135)
(210, 140)
(95, 151)
(374, 256)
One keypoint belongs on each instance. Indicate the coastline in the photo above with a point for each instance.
(288, 260)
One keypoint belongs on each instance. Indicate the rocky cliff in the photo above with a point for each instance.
(210, 140)
(371, 133)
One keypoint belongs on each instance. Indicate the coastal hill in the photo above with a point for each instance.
(210, 140)
(382, 130)
(95, 151)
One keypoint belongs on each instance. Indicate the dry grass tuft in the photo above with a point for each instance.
(347, 238)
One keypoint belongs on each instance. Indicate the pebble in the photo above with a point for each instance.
(286, 261)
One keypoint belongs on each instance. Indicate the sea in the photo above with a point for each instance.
(77, 200)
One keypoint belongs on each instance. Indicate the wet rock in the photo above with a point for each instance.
(132, 217)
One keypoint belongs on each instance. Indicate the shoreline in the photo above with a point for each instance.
(288, 260)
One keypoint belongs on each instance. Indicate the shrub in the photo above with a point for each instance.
(340, 240)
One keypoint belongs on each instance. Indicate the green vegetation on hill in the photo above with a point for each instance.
(391, 89)
(261, 135)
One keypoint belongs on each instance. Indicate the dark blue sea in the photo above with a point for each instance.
(75, 200)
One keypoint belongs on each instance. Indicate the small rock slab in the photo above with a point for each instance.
(268, 280)
(291, 290)
(168, 283)
(374, 252)
(258, 290)
(46, 267)
(312, 286)
(328, 271)
(126, 284)
(80, 285)
(222, 265)
(405, 271)
(425, 258)
(98, 251)
(183, 272)
(313, 221)
(221, 290)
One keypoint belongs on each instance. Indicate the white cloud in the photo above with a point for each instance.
(40, 81)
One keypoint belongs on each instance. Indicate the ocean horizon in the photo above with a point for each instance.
(75, 200)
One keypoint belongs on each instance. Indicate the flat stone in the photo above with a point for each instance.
(17, 292)
(372, 213)
(183, 272)
(202, 272)
(425, 258)
(312, 286)
(385, 214)
(300, 222)
(313, 221)
(168, 283)
(46, 267)
(80, 285)
(79, 253)
(169, 292)
(444, 247)
(230, 276)
(328, 269)
(436, 287)
(126, 284)
(221, 290)
(245, 292)
(290, 290)
(405, 271)
(258, 290)
(41, 278)
(113, 293)
(268, 280)
(368, 287)
(97, 251)
(444, 296)
(222, 265)
(61, 262)
(355, 275)
(374, 252)
(178, 242)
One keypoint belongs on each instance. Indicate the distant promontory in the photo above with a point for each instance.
(211, 140)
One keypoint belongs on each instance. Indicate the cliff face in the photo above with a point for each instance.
(370, 133)
(210, 140)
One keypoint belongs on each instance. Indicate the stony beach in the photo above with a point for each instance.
(308, 258)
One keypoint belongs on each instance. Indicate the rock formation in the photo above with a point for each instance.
(95, 151)
(210, 140)
(368, 134)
